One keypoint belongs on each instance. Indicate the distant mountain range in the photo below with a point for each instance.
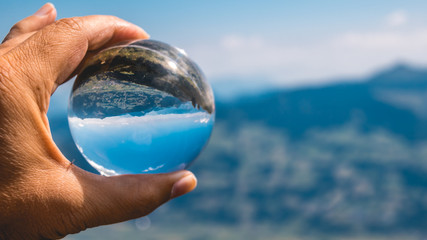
(336, 159)
(395, 99)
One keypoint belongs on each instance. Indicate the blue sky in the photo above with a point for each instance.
(288, 43)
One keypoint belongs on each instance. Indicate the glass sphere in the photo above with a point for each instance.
(140, 107)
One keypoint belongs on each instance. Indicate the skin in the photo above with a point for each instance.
(42, 194)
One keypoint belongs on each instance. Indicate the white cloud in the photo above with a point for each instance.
(397, 19)
(236, 41)
(350, 54)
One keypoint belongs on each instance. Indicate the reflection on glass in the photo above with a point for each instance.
(141, 107)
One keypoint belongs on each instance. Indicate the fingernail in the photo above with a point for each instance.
(184, 185)
(47, 8)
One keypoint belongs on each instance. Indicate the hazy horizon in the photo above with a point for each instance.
(285, 43)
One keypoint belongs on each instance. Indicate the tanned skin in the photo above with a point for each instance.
(42, 194)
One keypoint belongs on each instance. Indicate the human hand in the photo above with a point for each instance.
(43, 195)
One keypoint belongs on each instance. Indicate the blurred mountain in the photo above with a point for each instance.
(392, 99)
(233, 88)
(339, 159)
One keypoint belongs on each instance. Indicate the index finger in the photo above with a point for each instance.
(50, 56)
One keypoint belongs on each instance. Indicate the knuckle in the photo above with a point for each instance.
(73, 24)
(154, 196)
(18, 27)
(143, 198)
(15, 30)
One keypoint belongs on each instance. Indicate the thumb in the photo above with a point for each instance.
(119, 198)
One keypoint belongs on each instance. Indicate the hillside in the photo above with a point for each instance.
(328, 161)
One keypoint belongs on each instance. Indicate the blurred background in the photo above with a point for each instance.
(321, 128)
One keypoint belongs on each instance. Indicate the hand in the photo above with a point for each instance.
(43, 195)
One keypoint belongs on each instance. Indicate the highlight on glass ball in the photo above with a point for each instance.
(141, 107)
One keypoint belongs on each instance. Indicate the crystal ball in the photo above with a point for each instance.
(140, 107)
